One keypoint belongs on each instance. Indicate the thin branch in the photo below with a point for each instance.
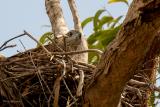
(56, 91)
(12, 39)
(26, 33)
(70, 105)
(5, 43)
(64, 69)
(127, 104)
(80, 84)
(87, 65)
(76, 19)
(69, 90)
(23, 45)
(39, 76)
(9, 46)
(78, 52)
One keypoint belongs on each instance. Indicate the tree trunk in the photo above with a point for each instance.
(56, 17)
(126, 55)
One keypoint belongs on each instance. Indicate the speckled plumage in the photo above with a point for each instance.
(76, 42)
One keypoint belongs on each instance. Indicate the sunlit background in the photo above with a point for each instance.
(30, 15)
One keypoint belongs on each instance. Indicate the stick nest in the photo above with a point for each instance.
(34, 78)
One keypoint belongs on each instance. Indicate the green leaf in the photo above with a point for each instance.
(116, 21)
(114, 1)
(86, 21)
(93, 37)
(44, 38)
(96, 19)
(108, 35)
(104, 20)
(98, 45)
(93, 57)
(152, 99)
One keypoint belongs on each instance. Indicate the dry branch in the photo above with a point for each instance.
(35, 75)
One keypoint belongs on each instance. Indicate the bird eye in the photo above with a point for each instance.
(70, 34)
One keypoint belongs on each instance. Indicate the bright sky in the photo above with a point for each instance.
(30, 15)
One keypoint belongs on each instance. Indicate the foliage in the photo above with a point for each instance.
(114, 1)
(105, 29)
(44, 38)
(153, 102)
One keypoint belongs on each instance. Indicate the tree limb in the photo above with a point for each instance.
(76, 19)
(56, 17)
(125, 55)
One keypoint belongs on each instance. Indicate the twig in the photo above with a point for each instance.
(11, 40)
(56, 91)
(54, 43)
(78, 52)
(5, 43)
(80, 84)
(68, 90)
(72, 103)
(23, 45)
(68, 101)
(48, 53)
(135, 90)
(76, 19)
(41, 78)
(64, 69)
(26, 33)
(127, 104)
(38, 76)
(88, 65)
(9, 46)
(135, 82)
(57, 85)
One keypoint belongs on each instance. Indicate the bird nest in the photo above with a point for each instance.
(37, 78)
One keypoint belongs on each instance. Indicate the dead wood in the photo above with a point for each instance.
(44, 76)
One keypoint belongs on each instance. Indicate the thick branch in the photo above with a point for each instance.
(76, 19)
(126, 54)
(56, 17)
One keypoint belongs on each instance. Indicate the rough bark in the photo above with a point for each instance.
(126, 55)
(146, 76)
(151, 63)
